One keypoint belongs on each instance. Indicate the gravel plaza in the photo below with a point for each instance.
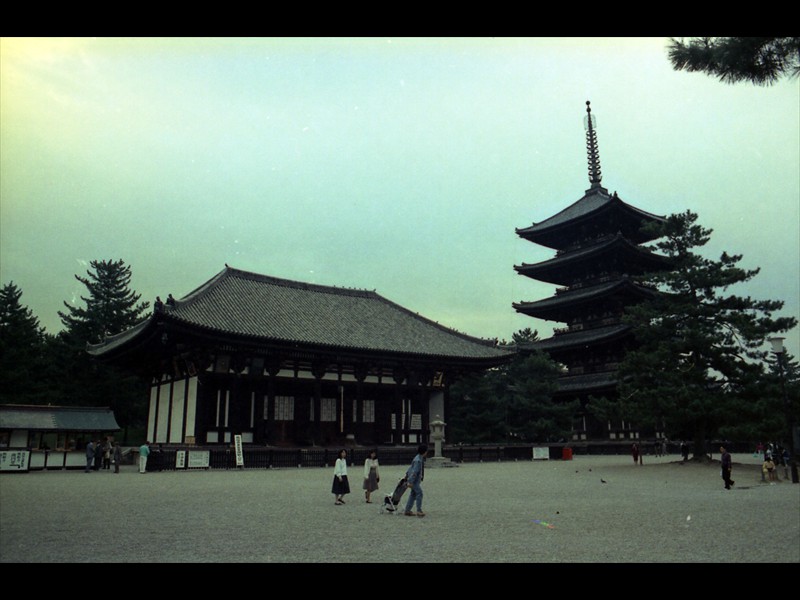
(591, 509)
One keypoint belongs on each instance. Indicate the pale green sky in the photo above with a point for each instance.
(402, 165)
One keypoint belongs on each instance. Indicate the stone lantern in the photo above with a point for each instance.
(437, 435)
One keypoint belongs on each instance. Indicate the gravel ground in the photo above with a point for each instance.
(585, 510)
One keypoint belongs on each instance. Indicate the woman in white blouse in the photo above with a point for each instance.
(340, 485)
(371, 474)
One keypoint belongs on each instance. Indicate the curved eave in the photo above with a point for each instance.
(555, 307)
(214, 337)
(586, 384)
(580, 339)
(552, 232)
(558, 270)
(124, 342)
(145, 340)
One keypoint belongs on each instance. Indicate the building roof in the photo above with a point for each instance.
(259, 308)
(57, 418)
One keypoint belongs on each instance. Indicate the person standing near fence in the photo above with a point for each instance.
(107, 454)
(117, 456)
(89, 456)
(144, 452)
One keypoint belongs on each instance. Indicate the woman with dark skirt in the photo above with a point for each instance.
(340, 485)
(371, 474)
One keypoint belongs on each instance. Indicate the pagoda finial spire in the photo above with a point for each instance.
(589, 124)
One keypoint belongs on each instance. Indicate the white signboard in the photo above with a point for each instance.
(237, 441)
(180, 459)
(14, 460)
(198, 459)
(541, 454)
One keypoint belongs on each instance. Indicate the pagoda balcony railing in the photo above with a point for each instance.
(587, 325)
(592, 369)
(586, 242)
(588, 283)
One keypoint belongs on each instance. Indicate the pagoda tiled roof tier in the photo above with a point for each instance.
(584, 384)
(563, 306)
(564, 229)
(579, 339)
(614, 249)
(243, 307)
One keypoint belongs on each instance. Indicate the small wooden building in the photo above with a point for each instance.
(282, 362)
(50, 437)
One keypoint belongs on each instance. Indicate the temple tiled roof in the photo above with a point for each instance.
(262, 308)
(57, 418)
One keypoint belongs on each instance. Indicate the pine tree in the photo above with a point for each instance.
(698, 360)
(21, 350)
(110, 308)
(759, 60)
(513, 402)
(533, 414)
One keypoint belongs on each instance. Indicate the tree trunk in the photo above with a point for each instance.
(700, 449)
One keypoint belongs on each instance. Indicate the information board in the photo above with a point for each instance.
(237, 442)
(541, 454)
(14, 460)
(198, 459)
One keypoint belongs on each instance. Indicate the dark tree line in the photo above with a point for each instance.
(37, 367)
(511, 403)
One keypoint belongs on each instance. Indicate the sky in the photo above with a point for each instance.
(400, 165)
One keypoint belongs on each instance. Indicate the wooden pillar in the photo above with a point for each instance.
(399, 376)
(360, 373)
(318, 369)
(272, 368)
(346, 396)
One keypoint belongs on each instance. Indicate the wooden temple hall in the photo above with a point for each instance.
(283, 362)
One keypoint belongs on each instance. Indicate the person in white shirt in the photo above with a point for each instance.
(340, 485)
(371, 474)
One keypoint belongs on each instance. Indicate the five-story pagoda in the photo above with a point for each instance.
(598, 250)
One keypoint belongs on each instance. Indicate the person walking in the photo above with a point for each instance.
(371, 474)
(341, 485)
(89, 456)
(117, 456)
(635, 453)
(144, 452)
(726, 467)
(414, 477)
